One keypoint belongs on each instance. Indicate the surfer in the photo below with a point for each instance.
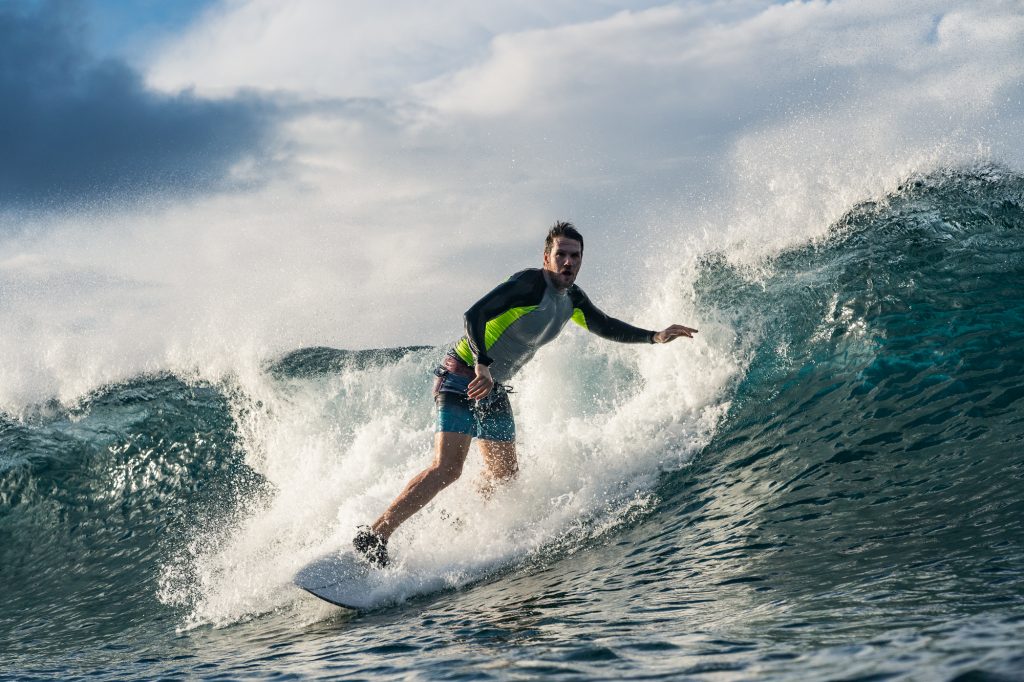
(504, 329)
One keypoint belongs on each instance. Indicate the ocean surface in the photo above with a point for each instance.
(828, 484)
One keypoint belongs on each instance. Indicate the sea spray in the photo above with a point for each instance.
(338, 438)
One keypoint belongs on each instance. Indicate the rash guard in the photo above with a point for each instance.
(505, 328)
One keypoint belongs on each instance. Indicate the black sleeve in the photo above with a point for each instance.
(608, 327)
(526, 287)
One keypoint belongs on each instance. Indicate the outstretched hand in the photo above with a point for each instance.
(674, 332)
(481, 384)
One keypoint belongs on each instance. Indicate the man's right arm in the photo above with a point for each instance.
(605, 326)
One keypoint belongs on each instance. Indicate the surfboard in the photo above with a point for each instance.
(343, 580)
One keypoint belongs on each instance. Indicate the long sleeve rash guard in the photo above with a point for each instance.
(505, 328)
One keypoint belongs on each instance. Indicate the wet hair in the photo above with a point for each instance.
(565, 231)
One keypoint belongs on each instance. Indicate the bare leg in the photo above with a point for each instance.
(450, 454)
(500, 464)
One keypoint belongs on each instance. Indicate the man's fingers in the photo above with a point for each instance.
(675, 331)
(680, 330)
(478, 388)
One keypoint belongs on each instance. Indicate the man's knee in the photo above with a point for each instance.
(446, 472)
(506, 469)
(500, 457)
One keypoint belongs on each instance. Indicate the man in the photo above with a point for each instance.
(503, 331)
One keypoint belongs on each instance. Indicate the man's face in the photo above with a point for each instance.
(563, 261)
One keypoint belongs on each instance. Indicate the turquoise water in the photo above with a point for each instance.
(854, 513)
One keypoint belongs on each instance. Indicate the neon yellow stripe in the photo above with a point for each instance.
(496, 327)
(492, 332)
(464, 352)
(579, 318)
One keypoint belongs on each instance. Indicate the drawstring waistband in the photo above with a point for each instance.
(454, 365)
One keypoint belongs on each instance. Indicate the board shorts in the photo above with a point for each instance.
(489, 418)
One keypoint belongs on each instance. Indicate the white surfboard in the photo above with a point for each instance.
(342, 579)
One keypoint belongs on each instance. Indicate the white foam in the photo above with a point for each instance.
(597, 422)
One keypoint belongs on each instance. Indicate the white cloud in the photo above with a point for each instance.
(482, 123)
(356, 48)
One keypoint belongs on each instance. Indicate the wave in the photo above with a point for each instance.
(873, 453)
(317, 361)
(91, 498)
(854, 403)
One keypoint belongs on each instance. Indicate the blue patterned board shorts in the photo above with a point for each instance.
(490, 418)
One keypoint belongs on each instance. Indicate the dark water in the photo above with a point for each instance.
(857, 515)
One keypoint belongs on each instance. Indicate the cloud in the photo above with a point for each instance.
(482, 122)
(660, 129)
(358, 48)
(76, 128)
(610, 110)
(777, 116)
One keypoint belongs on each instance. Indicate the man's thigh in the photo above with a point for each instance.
(450, 450)
(494, 420)
(499, 458)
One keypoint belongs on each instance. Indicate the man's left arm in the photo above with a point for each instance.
(588, 316)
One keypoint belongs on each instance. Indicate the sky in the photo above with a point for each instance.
(182, 180)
